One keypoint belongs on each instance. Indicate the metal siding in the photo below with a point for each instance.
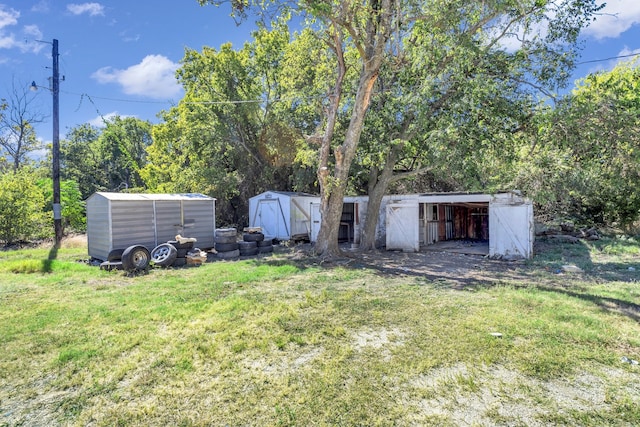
(168, 220)
(199, 221)
(98, 226)
(132, 223)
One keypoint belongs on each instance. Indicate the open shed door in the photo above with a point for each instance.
(511, 230)
(402, 226)
(270, 217)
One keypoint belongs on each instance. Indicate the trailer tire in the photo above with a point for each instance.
(226, 232)
(136, 257)
(249, 252)
(247, 245)
(179, 262)
(265, 249)
(164, 255)
(265, 242)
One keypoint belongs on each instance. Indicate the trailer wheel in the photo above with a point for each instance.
(164, 255)
(135, 257)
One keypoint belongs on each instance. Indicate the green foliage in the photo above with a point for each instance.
(106, 159)
(71, 201)
(233, 134)
(585, 159)
(22, 204)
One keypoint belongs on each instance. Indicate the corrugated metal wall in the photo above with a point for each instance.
(98, 227)
(132, 222)
(117, 221)
(199, 220)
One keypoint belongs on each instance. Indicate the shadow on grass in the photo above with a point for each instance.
(615, 305)
(47, 264)
(452, 271)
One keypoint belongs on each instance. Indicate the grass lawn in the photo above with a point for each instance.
(287, 340)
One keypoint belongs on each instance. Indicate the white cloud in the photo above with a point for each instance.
(101, 121)
(8, 16)
(26, 41)
(42, 6)
(32, 30)
(616, 18)
(153, 77)
(93, 9)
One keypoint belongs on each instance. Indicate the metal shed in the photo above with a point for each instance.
(282, 215)
(119, 220)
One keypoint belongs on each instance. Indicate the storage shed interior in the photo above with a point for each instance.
(453, 221)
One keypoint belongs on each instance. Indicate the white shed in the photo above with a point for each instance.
(119, 220)
(505, 220)
(282, 215)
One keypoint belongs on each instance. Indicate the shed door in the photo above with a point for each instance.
(511, 230)
(402, 226)
(168, 215)
(316, 219)
(270, 216)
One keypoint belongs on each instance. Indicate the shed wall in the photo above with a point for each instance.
(199, 221)
(98, 227)
(132, 223)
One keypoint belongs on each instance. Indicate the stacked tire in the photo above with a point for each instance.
(226, 243)
(258, 242)
(181, 252)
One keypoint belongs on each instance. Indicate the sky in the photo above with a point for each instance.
(118, 57)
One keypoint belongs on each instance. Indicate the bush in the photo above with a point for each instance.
(22, 215)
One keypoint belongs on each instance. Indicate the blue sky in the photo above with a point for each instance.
(119, 56)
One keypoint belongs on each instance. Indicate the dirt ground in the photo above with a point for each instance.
(456, 269)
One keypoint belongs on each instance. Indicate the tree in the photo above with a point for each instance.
(589, 147)
(122, 147)
(375, 29)
(232, 135)
(106, 159)
(18, 116)
(80, 159)
(22, 204)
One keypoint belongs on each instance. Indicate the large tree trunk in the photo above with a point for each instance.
(378, 184)
(370, 46)
(333, 188)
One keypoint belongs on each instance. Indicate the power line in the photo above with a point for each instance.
(608, 59)
(116, 99)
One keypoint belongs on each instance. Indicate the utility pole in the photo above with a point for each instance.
(55, 86)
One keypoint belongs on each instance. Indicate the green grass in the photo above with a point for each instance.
(279, 342)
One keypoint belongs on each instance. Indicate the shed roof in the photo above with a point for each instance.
(149, 196)
(290, 193)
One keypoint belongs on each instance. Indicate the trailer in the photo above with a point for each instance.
(119, 220)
